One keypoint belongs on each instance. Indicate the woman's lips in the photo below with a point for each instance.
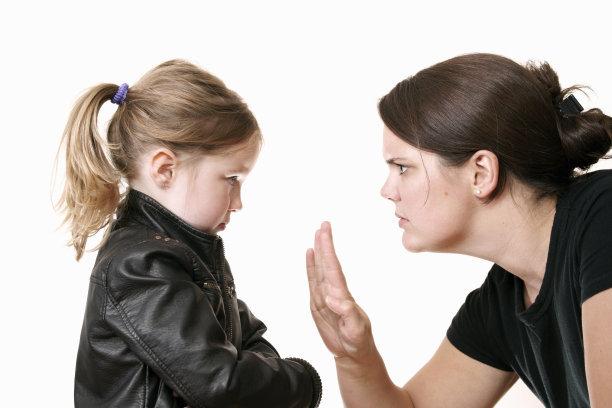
(402, 221)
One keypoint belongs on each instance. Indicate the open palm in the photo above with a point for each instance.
(342, 324)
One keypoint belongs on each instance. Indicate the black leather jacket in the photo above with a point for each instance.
(163, 326)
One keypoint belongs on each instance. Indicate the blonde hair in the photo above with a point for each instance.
(176, 105)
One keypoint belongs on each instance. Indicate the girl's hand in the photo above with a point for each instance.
(342, 324)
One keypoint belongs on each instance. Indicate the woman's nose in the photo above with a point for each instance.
(388, 192)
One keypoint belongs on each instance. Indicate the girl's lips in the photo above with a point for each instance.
(403, 222)
(221, 226)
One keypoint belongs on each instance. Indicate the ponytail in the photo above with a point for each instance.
(91, 191)
(176, 105)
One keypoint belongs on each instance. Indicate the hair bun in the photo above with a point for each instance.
(586, 137)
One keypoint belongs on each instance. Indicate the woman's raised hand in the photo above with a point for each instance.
(342, 324)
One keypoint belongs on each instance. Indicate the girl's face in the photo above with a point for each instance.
(207, 194)
(434, 204)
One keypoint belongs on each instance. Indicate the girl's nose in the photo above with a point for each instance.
(236, 201)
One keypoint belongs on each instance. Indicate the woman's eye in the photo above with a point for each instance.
(402, 168)
(232, 180)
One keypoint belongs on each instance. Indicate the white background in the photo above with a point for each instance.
(312, 74)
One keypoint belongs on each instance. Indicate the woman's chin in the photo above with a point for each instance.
(411, 245)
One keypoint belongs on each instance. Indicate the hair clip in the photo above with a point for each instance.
(570, 106)
(120, 95)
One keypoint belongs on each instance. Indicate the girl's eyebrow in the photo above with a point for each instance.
(239, 169)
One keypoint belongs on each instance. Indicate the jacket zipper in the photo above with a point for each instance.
(226, 290)
(210, 285)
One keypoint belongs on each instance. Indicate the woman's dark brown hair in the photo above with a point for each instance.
(489, 102)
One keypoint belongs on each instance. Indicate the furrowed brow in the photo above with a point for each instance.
(394, 160)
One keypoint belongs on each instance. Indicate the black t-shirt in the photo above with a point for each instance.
(543, 343)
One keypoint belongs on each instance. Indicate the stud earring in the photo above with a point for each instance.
(477, 191)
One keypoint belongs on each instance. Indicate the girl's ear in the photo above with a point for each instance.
(162, 165)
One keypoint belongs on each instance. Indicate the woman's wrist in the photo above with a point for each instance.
(365, 382)
(362, 365)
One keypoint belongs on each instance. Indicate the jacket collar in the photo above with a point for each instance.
(144, 209)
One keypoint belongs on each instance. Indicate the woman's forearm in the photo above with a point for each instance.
(367, 384)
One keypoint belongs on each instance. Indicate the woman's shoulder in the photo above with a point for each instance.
(586, 188)
(497, 287)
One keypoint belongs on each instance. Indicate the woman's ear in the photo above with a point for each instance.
(162, 165)
(484, 167)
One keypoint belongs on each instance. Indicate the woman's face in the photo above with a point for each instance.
(434, 204)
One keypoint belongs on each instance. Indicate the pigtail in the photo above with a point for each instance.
(91, 191)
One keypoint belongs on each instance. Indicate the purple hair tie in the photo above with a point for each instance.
(120, 95)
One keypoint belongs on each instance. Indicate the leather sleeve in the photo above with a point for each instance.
(169, 323)
(252, 333)
(252, 340)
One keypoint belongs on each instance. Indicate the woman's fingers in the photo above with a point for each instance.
(354, 328)
(314, 281)
(333, 269)
(317, 254)
(310, 265)
(327, 246)
(342, 324)
(340, 307)
(325, 275)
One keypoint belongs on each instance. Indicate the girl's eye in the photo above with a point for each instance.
(232, 180)
(402, 168)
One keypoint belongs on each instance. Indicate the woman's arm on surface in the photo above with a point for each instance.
(450, 378)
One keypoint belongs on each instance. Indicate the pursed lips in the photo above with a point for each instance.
(399, 216)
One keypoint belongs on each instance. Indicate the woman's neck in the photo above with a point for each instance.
(515, 238)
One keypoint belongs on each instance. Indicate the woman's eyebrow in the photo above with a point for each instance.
(395, 159)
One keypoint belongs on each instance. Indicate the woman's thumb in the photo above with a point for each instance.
(341, 307)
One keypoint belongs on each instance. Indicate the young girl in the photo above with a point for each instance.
(482, 156)
(163, 326)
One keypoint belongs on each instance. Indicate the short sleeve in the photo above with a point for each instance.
(595, 246)
(471, 332)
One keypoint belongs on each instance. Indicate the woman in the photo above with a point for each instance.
(482, 155)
